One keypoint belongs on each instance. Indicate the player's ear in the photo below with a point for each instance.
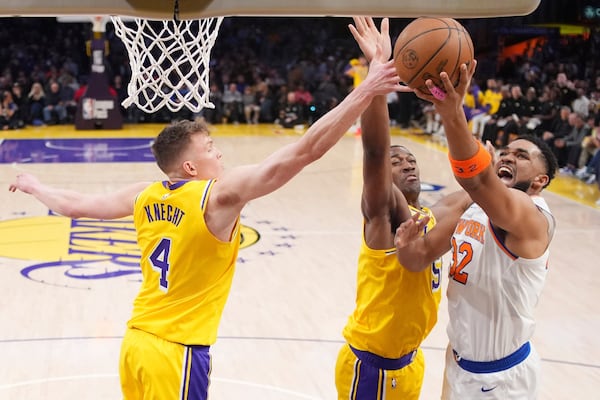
(190, 168)
(539, 182)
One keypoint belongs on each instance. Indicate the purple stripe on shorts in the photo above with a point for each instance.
(199, 373)
(368, 382)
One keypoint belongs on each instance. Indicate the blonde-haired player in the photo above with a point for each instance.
(188, 227)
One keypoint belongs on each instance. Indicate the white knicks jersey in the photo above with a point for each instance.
(491, 293)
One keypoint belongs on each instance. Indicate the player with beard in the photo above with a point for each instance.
(395, 308)
(499, 257)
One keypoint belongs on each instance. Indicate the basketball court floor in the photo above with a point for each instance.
(67, 286)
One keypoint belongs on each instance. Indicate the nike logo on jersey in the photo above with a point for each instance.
(483, 389)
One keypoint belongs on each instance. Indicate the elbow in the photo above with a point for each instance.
(470, 185)
(70, 212)
(313, 154)
(72, 209)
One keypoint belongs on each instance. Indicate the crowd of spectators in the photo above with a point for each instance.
(292, 72)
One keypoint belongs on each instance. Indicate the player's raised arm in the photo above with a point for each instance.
(239, 185)
(524, 165)
(382, 203)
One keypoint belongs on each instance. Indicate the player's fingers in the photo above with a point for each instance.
(472, 67)
(425, 96)
(448, 87)
(405, 89)
(385, 26)
(360, 23)
(465, 79)
(423, 222)
(353, 30)
(435, 93)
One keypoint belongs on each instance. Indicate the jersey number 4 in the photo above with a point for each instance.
(159, 258)
(461, 257)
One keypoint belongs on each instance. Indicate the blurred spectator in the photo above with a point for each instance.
(506, 122)
(55, 110)
(568, 149)
(566, 89)
(559, 128)
(393, 100)
(548, 110)
(9, 112)
(21, 101)
(530, 111)
(37, 102)
(472, 103)
(232, 104)
(490, 103)
(590, 145)
(291, 114)
(214, 115)
(357, 69)
(251, 106)
(303, 96)
(326, 94)
(67, 100)
(581, 104)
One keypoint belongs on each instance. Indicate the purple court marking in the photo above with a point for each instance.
(75, 150)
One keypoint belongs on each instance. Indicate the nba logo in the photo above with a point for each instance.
(87, 108)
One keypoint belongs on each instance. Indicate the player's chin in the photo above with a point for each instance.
(413, 184)
(507, 181)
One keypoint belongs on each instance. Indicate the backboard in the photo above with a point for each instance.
(194, 9)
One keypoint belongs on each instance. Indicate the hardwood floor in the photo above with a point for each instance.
(67, 286)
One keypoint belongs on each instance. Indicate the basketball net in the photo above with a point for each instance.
(169, 62)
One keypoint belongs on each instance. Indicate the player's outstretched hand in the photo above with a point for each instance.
(382, 77)
(410, 230)
(449, 100)
(367, 36)
(369, 39)
(24, 182)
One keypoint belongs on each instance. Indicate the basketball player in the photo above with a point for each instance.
(357, 70)
(499, 257)
(188, 228)
(395, 308)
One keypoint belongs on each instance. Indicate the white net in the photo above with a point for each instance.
(169, 62)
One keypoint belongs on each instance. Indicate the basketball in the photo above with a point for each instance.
(428, 46)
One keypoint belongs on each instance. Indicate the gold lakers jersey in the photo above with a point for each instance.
(395, 308)
(492, 99)
(187, 272)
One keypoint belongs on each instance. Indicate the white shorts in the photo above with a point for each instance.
(517, 383)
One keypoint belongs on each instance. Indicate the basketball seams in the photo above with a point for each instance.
(457, 63)
(425, 32)
(433, 55)
(450, 53)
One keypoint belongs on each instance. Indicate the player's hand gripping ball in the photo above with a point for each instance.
(428, 46)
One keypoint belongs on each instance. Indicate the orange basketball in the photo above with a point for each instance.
(428, 46)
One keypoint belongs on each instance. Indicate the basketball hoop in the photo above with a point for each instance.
(169, 62)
